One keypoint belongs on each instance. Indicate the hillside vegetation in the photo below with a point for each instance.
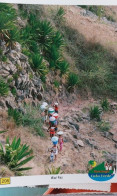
(42, 57)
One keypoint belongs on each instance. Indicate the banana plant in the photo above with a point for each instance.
(15, 155)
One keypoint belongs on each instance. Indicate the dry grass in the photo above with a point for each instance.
(8, 124)
(5, 172)
(3, 114)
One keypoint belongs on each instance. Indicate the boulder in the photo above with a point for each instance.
(80, 143)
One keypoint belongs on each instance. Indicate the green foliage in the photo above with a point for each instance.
(63, 66)
(104, 126)
(39, 65)
(16, 115)
(59, 17)
(13, 91)
(32, 118)
(54, 170)
(44, 35)
(4, 58)
(73, 80)
(105, 105)
(12, 36)
(56, 83)
(15, 155)
(4, 131)
(4, 89)
(95, 113)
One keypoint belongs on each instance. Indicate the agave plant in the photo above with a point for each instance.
(54, 170)
(15, 155)
(38, 64)
(73, 80)
(8, 10)
(4, 89)
(44, 35)
(12, 37)
(95, 113)
(5, 25)
(63, 66)
(58, 40)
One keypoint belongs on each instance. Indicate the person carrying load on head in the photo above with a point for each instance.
(56, 107)
(52, 131)
(60, 140)
(55, 146)
(52, 121)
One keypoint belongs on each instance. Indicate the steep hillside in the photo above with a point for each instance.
(65, 54)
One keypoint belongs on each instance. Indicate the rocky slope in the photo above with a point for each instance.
(18, 74)
(83, 141)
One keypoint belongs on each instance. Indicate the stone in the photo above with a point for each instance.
(39, 96)
(23, 57)
(17, 47)
(2, 104)
(75, 125)
(80, 143)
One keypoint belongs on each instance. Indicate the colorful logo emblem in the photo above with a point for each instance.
(101, 172)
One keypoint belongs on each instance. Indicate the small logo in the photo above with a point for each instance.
(4, 181)
(101, 172)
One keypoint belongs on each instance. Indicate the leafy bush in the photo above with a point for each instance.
(54, 170)
(4, 89)
(56, 83)
(16, 115)
(59, 17)
(104, 126)
(39, 65)
(73, 80)
(105, 105)
(12, 36)
(15, 155)
(13, 91)
(95, 112)
(31, 118)
(63, 66)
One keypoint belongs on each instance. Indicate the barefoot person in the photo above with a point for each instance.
(60, 140)
(52, 156)
(55, 150)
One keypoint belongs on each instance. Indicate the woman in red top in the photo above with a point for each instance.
(56, 107)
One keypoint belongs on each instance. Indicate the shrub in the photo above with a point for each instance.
(95, 113)
(39, 65)
(54, 170)
(105, 105)
(56, 83)
(32, 118)
(13, 91)
(16, 115)
(44, 35)
(12, 36)
(63, 66)
(104, 126)
(4, 58)
(73, 80)
(59, 17)
(4, 89)
(15, 155)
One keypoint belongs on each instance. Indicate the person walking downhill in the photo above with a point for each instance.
(55, 150)
(52, 131)
(52, 156)
(56, 107)
(60, 141)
